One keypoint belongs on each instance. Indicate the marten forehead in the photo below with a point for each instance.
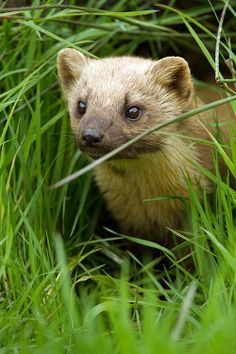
(113, 74)
(119, 66)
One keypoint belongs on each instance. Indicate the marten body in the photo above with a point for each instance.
(110, 102)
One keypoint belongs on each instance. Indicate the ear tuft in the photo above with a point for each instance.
(70, 63)
(174, 74)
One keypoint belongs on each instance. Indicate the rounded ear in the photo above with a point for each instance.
(174, 74)
(70, 64)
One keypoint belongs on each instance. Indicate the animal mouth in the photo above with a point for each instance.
(95, 151)
(98, 153)
(94, 154)
(131, 152)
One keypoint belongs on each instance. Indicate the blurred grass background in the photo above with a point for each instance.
(66, 283)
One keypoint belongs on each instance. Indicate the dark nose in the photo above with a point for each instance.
(91, 137)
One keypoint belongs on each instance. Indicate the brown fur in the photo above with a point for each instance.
(157, 164)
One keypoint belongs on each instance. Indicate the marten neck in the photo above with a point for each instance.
(163, 172)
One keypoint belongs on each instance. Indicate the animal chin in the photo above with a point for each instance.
(96, 153)
(93, 154)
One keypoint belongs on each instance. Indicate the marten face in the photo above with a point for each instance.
(113, 100)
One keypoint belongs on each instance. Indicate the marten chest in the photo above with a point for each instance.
(130, 196)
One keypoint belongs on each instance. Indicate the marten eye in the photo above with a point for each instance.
(81, 107)
(133, 113)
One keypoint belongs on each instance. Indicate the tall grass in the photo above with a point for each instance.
(66, 283)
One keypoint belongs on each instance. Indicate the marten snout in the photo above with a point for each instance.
(91, 137)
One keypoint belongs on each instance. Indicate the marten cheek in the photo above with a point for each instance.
(74, 126)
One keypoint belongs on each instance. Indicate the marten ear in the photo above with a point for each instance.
(70, 64)
(173, 73)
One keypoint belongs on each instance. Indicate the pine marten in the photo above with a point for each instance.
(112, 100)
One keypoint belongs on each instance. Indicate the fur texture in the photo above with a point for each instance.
(158, 164)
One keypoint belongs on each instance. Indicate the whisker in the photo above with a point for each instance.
(62, 134)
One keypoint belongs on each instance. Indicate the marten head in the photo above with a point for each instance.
(114, 99)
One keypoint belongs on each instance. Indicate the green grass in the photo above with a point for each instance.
(66, 283)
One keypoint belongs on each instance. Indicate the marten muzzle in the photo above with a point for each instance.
(93, 142)
(97, 142)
